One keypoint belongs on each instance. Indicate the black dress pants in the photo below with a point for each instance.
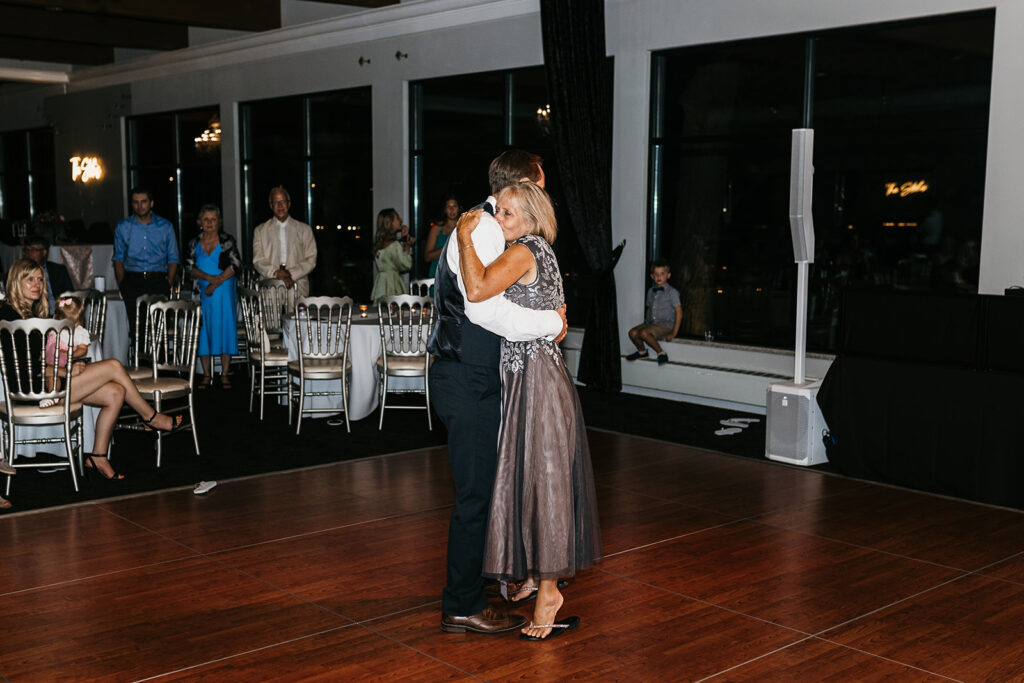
(467, 398)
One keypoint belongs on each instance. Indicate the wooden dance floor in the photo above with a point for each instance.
(719, 568)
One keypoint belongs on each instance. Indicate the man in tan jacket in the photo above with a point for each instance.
(283, 248)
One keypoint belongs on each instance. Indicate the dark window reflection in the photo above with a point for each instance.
(900, 116)
(459, 124)
(319, 147)
(176, 155)
(28, 185)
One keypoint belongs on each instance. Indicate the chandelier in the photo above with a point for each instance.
(210, 138)
(544, 119)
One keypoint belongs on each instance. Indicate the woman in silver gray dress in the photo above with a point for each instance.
(543, 522)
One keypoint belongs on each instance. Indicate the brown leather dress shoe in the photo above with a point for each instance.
(488, 621)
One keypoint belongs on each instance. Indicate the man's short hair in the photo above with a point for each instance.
(36, 238)
(660, 263)
(511, 166)
(140, 189)
(279, 188)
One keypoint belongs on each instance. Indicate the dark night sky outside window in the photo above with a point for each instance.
(458, 124)
(163, 156)
(320, 148)
(900, 113)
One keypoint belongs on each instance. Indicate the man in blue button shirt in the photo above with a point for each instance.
(145, 253)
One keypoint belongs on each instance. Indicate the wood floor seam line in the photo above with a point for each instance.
(654, 544)
(280, 589)
(821, 634)
(80, 579)
(421, 652)
(243, 653)
(702, 601)
(753, 659)
(889, 659)
(859, 546)
(307, 534)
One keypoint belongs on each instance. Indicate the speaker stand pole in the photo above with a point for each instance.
(800, 353)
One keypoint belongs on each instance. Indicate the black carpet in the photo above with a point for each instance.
(686, 424)
(234, 443)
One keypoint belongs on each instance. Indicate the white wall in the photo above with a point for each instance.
(447, 37)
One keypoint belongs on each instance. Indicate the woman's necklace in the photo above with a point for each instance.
(208, 242)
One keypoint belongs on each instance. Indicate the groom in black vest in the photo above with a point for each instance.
(465, 390)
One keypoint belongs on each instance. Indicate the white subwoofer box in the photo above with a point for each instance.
(794, 424)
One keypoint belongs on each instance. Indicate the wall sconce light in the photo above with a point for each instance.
(363, 60)
(85, 169)
(399, 55)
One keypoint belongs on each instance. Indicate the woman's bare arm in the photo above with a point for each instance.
(430, 253)
(484, 282)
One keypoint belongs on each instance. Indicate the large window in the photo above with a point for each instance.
(320, 148)
(900, 114)
(177, 156)
(458, 125)
(28, 182)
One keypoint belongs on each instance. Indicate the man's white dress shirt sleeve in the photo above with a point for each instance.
(498, 314)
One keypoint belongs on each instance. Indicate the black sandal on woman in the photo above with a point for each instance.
(115, 475)
(176, 419)
(206, 382)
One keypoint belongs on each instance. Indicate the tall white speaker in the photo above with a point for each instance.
(801, 185)
(795, 424)
(794, 421)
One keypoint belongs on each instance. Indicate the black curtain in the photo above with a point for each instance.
(581, 117)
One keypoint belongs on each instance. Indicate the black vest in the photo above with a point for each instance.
(454, 337)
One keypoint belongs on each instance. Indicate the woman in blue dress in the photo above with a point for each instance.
(212, 260)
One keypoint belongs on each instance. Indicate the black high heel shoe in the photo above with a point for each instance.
(177, 420)
(115, 476)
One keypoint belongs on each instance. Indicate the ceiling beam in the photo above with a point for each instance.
(28, 22)
(54, 51)
(241, 15)
(361, 3)
(33, 75)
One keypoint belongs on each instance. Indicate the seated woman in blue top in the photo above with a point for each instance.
(212, 260)
(104, 384)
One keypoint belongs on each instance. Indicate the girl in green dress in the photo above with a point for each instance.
(392, 252)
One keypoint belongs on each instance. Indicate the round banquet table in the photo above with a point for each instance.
(363, 351)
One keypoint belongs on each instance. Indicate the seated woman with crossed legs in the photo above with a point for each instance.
(104, 385)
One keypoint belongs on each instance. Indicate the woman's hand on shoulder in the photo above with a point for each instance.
(468, 222)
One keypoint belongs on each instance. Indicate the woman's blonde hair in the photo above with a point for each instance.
(385, 233)
(535, 207)
(69, 308)
(19, 272)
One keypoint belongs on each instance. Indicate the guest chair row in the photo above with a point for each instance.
(32, 369)
(322, 347)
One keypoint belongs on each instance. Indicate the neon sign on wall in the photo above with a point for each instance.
(84, 169)
(907, 188)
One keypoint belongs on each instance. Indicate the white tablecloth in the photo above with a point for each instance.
(115, 331)
(363, 351)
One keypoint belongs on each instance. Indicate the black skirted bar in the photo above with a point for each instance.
(927, 391)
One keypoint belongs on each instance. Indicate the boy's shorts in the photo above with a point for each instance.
(660, 331)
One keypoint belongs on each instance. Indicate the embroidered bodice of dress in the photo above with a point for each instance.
(543, 294)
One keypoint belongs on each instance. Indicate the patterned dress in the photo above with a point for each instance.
(543, 519)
